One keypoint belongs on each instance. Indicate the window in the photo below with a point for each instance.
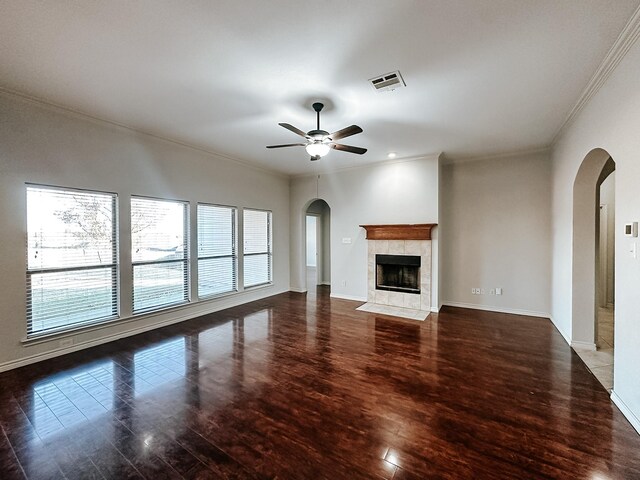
(160, 246)
(72, 258)
(216, 250)
(257, 247)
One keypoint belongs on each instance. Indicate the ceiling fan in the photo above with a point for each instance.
(320, 142)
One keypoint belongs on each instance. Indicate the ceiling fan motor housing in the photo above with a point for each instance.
(317, 134)
(320, 142)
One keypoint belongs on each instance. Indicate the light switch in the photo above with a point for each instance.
(346, 240)
(633, 250)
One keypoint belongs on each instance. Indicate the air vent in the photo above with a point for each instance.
(388, 82)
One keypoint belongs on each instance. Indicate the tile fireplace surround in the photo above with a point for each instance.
(412, 239)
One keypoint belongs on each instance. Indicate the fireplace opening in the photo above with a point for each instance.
(398, 273)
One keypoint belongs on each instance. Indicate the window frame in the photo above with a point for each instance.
(114, 266)
(186, 287)
(269, 251)
(233, 256)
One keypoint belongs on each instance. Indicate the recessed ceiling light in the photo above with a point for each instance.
(391, 155)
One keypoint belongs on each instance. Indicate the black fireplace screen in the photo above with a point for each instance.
(398, 273)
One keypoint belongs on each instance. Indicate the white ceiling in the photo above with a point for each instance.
(483, 76)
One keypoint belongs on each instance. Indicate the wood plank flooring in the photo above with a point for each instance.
(305, 387)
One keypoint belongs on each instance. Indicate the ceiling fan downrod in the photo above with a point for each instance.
(318, 108)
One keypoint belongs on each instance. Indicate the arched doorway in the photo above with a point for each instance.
(317, 227)
(590, 245)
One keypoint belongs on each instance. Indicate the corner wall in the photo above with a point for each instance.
(384, 193)
(611, 121)
(46, 145)
(496, 222)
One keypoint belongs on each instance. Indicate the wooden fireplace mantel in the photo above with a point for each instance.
(415, 231)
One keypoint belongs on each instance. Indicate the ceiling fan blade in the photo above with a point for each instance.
(287, 145)
(345, 132)
(348, 148)
(293, 129)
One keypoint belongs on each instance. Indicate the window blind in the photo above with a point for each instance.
(72, 258)
(257, 247)
(217, 258)
(159, 241)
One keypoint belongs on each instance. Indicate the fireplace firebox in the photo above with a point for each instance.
(398, 273)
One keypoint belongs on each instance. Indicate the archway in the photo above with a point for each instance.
(317, 250)
(595, 168)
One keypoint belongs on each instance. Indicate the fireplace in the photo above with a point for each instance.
(398, 273)
(399, 270)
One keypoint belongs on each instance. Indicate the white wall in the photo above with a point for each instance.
(611, 121)
(320, 208)
(312, 240)
(44, 145)
(398, 192)
(496, 226)
(608, 198)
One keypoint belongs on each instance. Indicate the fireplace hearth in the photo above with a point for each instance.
(398, 273)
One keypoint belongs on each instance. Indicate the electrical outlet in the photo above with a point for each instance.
(482, 291)
(66, 342)
(499, 291)
(492, 291)
(473, 291)
(344, 283)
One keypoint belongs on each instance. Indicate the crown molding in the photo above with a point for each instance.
(103, 121)
(431, 156)
(618, 51)
(448, 160)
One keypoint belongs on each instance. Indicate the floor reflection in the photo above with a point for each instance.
(158, 365)
(297, 386)
(72, 399)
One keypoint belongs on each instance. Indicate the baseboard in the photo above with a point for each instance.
(57, 352)
(325, 283)
(434, 309)
(584, 345)
(491, 308)
(348, 297)
(298, 290)
(561, 331)
(626, 411)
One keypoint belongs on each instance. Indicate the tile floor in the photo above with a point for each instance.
(600, 361)
(409, 313)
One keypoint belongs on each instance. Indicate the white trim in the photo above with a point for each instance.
(618, 51)
(349, 297)
(448, 160)
(626, 411)
(226, 297)
(93, 118)
(431, 156)
(490, 308)
(325, 283)
(584, 345)
(566, 337)
(297, 290)
(56, 352)
(434, 309)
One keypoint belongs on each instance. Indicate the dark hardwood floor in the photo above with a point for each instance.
(306, 387)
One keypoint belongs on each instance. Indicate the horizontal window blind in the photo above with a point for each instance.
(257, 247)
(217, 258)
(72, 258)
(159, 240)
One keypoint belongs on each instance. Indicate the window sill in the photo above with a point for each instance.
(48, 337)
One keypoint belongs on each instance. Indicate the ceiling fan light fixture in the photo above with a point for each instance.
(318, 149)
